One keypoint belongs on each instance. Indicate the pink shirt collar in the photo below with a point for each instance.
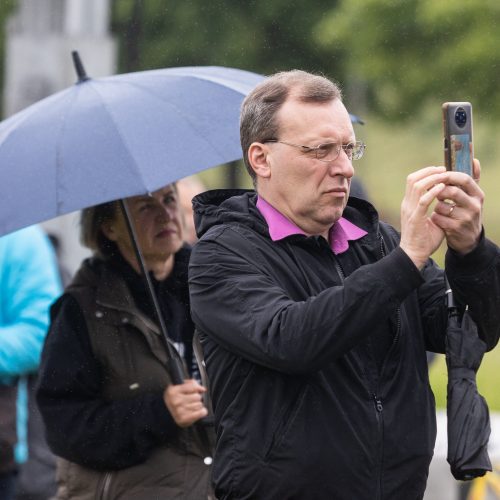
(280, 227)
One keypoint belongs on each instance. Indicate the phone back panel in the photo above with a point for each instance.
(458, 146)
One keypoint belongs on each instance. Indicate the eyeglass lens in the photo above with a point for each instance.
(330, 151)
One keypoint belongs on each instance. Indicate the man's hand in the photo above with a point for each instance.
(420, 234)
(184, 402)
(459, 210)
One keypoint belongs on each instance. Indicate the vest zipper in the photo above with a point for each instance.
(106, 482)
(129, 359)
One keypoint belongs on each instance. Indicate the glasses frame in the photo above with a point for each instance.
(314, 149)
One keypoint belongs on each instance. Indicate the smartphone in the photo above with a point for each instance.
(457, 126)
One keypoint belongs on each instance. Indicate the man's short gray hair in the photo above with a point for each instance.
(259, 109)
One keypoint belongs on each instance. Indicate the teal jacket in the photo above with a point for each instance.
(29, 284)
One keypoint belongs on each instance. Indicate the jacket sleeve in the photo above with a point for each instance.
(475, 281)
(430, 314)
(80, 425)
(30, 283)
(239, 303)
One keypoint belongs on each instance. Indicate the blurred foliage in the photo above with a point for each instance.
(407, 51)
(392, 56)
(256, 35)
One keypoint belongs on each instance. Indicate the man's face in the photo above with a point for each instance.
(310, 192)
(157, 222)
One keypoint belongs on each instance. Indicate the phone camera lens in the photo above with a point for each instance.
(460, 117)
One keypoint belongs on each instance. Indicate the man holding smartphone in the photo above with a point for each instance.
(315, 317)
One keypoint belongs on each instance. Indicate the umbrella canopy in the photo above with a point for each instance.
(114, 137)
(467, 411)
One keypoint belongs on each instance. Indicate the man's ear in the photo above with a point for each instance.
(258, 157)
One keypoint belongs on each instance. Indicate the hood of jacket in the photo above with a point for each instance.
(223, 206)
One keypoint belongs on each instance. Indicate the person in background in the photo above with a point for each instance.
(36, 478)
(188, 188)
(315, 316)
(117, 424)
(29, 284)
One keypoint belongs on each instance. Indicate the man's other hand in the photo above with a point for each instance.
(459, 210)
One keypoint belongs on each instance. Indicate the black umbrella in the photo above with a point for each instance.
(467, 411)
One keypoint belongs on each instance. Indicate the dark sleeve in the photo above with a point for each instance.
(232, 292)
(80, 425)
(433, 312)
(475, 281)
(429, 314)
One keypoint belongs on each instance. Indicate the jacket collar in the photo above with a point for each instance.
(111, 289)
(217, 207)
(281, 227)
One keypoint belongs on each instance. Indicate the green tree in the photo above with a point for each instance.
(411, 51)
(256, 35)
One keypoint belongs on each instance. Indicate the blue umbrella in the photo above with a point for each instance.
(109, 138)
(115, 137)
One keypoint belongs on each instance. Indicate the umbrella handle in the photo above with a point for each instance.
(175, 367)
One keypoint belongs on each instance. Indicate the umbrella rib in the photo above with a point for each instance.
(117, 128)
(59, 164)
(237, 81)
(83, 121)
(179, 111)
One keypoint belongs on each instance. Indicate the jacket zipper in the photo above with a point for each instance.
(339, 269)
(379, 408)
(127, 354)
(398, 313)
(378, 402)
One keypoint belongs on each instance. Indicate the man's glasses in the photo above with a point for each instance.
(329, 151)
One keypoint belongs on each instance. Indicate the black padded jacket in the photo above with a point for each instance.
(307, 403)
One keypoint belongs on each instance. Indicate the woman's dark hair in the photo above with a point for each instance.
(91, 222)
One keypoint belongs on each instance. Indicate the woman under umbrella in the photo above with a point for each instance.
(120, 428)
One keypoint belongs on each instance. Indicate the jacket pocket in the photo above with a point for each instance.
(284, 424)
(75, 482)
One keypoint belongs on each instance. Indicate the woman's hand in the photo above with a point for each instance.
(184, 402)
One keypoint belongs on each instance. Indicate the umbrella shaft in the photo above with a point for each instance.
(176, 370)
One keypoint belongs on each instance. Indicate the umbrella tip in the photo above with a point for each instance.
(356, 119)
(80, 70)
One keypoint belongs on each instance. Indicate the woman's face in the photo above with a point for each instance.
(158, 225)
